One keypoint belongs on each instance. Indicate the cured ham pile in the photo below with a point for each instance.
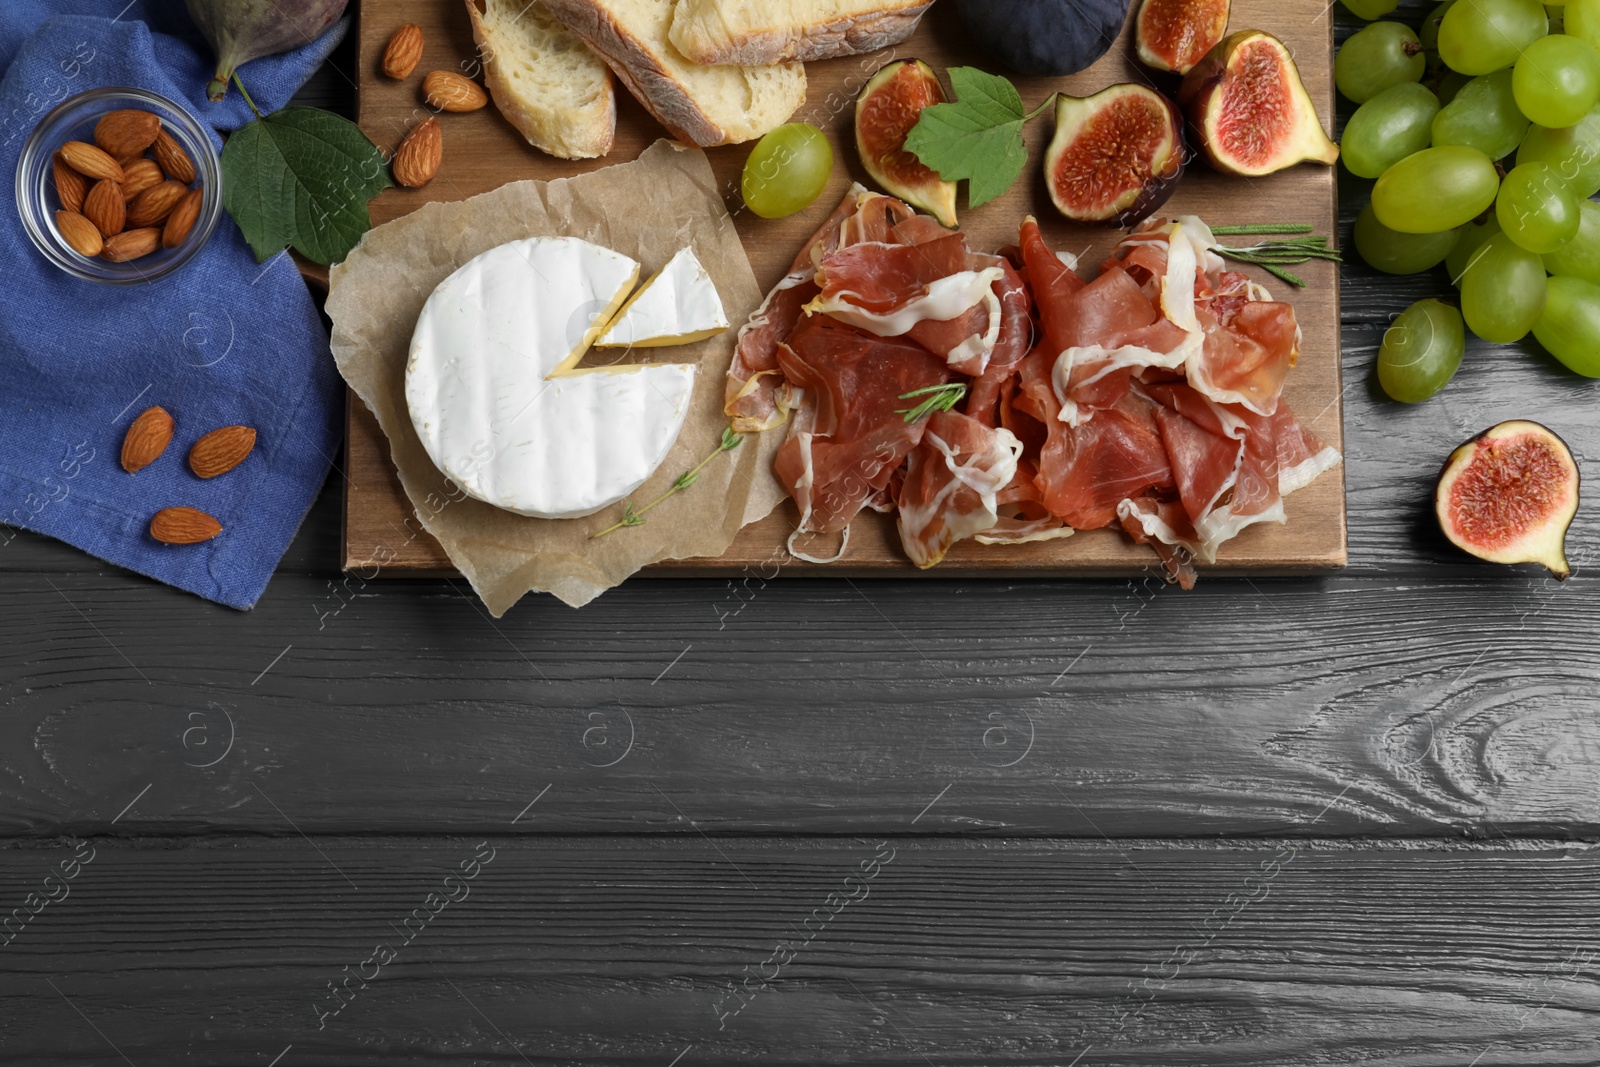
(1006, 399)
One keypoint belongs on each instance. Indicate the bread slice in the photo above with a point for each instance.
(544, 79)
(705, 106)
(778, 31)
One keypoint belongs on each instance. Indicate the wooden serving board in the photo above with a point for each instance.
(482, 152)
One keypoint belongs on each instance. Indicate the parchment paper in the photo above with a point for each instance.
(647, 209)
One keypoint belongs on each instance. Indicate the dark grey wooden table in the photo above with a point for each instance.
(939, 822)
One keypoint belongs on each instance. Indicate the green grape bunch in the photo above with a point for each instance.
(1479, 129)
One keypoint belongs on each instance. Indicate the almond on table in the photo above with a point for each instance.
(219, 451)
(146, 439)
(449, 91)
(404, 51)
(417, 159)
(183, 526)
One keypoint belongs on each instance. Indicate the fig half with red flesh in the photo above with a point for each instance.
(887, 107)
(1176, 34)
(1116, 155)
(1249, 111)
(1509, 494)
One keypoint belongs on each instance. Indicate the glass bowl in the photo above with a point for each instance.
(73, 120)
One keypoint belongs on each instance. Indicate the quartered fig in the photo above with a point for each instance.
(886, 110)
(1116, 156)
(242, 30)
(1176, 34)
(1509, 494)
(1249, 111)
(1045, 38)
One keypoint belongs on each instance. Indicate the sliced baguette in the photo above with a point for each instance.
(705, 106)
(544, 79)
(778, 31)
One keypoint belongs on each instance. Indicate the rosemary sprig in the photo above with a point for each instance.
(1274, 256)
(939, 398)
(631, 517)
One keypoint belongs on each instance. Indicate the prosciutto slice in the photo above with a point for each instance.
(954, 478)
(756, 397)
(843, 451)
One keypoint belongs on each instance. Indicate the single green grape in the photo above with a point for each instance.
(1502, 292)
(1536, 208)
(1421, 351)
(1483, 36)
(1435, 189)
(787, 170)
(1394, 252)
(1579, 257)
(1370, 9)
(1484, 115)
(1469, 238)
(1581, 19)
(1383, 54)
(1388, 128)
(1569, 329)
(1574, 152)
(1557, 80)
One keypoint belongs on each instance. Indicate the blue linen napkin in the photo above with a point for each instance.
(222, 341)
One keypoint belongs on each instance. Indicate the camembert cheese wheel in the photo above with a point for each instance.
(496, 395)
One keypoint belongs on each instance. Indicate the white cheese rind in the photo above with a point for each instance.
(494, 398)
(679, 306)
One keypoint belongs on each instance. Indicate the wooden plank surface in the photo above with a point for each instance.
(1350, 707)
(801, 951)
(482, 152)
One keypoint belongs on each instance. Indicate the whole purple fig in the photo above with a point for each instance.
(242, 30)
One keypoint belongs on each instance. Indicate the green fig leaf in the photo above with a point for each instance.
(978, 137)
(302, 177)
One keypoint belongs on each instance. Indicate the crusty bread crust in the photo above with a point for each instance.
(826, 39)
(635, 63)
(564, 134)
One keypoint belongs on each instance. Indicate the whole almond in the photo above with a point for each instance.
(126, 132)
(219, 451)
(83, 236)
(141, 174)
(417, 159)
(183, 526)
(175, 162)
(151, 207)
(147, 438)
(181, 221)
(404, 52)
(70, 185)
(91, 162)
(449, 91)
(105, 207)
(131, 244)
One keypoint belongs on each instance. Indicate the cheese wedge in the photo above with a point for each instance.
(496, 397)
(679, 306)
